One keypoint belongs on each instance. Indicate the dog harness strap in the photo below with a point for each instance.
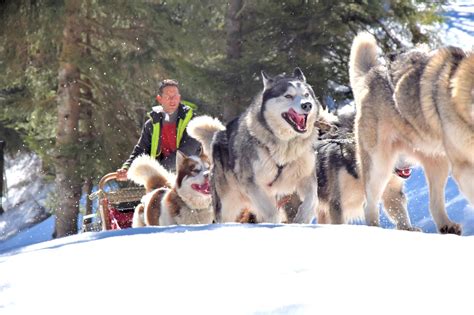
(182, 123)
(280, 169)
(155, 138)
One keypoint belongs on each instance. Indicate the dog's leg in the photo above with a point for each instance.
(376, 170)
(264, 204)
(153, 209)
(436, 172)
(216, 204)
(335, 208)
(395, 204)
(307, 189)
(335, 211)
(138, 216)
(323, 217)
(463, 173)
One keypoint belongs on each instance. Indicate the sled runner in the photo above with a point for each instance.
(116, 205)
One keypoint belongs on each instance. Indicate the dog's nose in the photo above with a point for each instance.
(206, 174)
(306, 106)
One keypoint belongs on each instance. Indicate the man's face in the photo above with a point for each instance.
(169, 99)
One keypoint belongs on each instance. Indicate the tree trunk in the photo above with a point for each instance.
(2, 144)
(86, 116)
(68, 183)
(87, 139)
(233, 30)
(234, 53)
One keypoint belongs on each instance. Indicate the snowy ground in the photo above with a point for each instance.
(241, 269)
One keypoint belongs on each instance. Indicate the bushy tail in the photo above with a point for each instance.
(203, 128)
(363, 58)
(148, 172)
(463, 89)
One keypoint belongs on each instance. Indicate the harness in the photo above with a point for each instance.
(279, 167)
(280, 170)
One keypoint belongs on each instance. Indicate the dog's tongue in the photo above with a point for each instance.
(299, 119)
(203, 188)
(403, 173)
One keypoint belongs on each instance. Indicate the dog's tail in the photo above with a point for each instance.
(203, 128)
(463, 88)
(363, 58)
(146, 171)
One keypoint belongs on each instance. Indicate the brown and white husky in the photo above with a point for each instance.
(181, 198)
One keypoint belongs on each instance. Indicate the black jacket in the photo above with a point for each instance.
(187, 145)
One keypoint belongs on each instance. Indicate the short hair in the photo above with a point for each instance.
(165, 83)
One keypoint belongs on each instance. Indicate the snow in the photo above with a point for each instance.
(26, 194)
(458, 29)
(240, 269)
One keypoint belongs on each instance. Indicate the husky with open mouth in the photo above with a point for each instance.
(185, 197)
(267, 152)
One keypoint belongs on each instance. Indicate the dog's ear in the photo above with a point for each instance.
(297, 73)
(201, 154)
(323, 104)
(180, 157)
(267, 81)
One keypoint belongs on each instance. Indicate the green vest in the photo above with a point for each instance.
(155, 136)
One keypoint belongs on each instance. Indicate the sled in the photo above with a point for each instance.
(116, 205)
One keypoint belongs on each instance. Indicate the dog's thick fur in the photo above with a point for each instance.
(420, 105)
(183, 198)
(267, 152)
(340, 188)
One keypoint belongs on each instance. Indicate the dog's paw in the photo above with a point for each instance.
(407, 227)
(451, 228)
(412, 229)
(275, 219)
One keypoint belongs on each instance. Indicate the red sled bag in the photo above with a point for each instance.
(116, 203)
(121, 215)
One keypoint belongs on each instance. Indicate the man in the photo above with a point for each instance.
(165, 130)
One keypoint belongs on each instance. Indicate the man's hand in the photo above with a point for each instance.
(122, 174)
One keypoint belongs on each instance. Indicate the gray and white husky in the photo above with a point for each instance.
(266, 152)
(419, 105)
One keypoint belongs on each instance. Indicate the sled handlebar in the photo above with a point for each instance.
(104, 209)
(106, 178)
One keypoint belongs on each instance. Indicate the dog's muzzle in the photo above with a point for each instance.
(307, 106)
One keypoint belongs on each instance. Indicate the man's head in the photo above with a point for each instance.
(168, 95)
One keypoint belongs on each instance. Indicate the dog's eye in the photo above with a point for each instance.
(288, 96)
(306, 95)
